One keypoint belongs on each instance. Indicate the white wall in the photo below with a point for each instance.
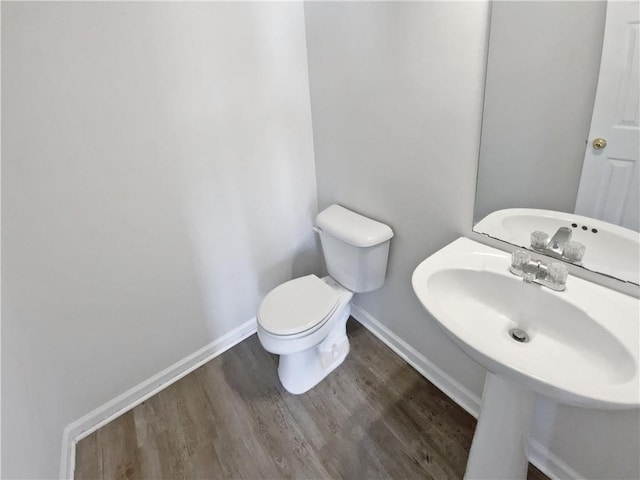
(396, 95)
(158, 179)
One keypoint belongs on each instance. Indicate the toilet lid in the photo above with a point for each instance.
(297, 305)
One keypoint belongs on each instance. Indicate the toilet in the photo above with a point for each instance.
(304, 320)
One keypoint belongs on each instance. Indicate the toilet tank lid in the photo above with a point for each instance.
(352, 227)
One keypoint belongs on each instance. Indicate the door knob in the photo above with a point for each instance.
(599, 143)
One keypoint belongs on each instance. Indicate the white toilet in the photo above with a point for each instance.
(304, 320)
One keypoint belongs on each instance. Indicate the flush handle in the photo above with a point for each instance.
(599, 143)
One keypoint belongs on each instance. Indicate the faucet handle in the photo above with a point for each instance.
(539, 239)
(574, 251)
(520, 258)
(557, 273)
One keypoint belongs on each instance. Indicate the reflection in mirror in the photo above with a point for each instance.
(559, 75)
(606, 248)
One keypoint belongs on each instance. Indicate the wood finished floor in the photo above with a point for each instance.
(374, 417)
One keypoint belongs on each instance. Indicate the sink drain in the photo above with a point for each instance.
(519, 335)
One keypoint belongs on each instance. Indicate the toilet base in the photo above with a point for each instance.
(300, 372)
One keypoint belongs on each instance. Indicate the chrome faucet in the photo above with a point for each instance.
(560, 246)
(552, 275)
(558, 241)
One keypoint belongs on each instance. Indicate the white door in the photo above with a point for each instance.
(610, 178)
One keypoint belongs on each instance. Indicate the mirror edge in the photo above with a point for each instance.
(604, 280)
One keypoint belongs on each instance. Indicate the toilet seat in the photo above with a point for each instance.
(301, 305)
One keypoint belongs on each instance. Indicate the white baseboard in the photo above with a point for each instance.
(76, 431)
(549, 464)
(539, 455)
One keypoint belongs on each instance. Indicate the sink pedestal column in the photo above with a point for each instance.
(501, 440)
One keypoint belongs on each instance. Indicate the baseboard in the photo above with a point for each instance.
(102, 415)
(445, 382)
(539, 455)
(549, 464)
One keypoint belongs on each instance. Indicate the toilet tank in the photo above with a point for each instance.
(355, 248)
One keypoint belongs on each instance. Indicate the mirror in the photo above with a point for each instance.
(540, 96)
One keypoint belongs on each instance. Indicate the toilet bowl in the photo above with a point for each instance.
(304, 320)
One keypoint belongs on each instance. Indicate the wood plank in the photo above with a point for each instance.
(374, 417)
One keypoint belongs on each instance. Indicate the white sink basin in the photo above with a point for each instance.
(612, 249)
(583, 346)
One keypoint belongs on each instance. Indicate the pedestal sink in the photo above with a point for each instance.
(582, 345)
